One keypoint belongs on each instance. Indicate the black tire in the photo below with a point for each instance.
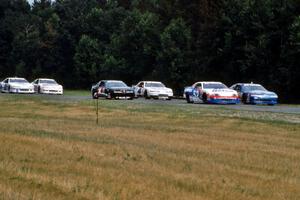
(109, 95)
(8, 89)
(146, 95)
(39, 90)
(188, 100)
(204, 98)
(95, 95)
(244, 98)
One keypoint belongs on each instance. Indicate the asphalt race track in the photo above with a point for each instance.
(280, 108)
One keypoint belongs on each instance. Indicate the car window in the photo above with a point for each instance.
(198, 85)
(101, 84)
(6, 81)
(214, 86)
(238, 88)
(48, 81)
(141, 84)
(18, 80)
(116, 84)
(157, 85)
(254, 87)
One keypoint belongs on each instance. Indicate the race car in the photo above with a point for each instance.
(16, 85)
(210, 92)
(47, 86)
(112, 89)
(152, 89)
(251, 93)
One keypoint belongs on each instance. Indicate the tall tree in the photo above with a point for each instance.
(174, 57)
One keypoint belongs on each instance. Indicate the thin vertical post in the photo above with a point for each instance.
(97, 113)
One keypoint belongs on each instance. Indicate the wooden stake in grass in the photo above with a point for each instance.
(97, 112)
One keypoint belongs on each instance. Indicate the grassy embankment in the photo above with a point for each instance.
(54, 150)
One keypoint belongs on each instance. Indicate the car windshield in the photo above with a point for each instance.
(19, 80)
(116, 84)
(157, 85)
(214, 86)
(48, 81)
(254, 87)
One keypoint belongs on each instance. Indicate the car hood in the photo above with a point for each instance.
(159, 88)
(51, 85)
(21, 85)
(225, 91)
(120, 88)
(261, 92)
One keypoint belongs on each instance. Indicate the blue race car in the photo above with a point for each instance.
(250, 93)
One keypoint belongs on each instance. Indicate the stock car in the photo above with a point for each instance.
(152, 89)
(47, 86)
(251, 93)
(210, 92)
(16, 85)
(112, 89)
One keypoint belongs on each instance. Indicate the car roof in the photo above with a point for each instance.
(45, 79)
(151, 81)
(248, 84)
(213, 82)
(112, 81)
(16, 78)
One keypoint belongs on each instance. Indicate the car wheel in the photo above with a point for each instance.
(95, 95)
(109, 96)
(146, 95)
(188, 98)
(8, 89)
(204, 98)
(244, 98)
(39, 90)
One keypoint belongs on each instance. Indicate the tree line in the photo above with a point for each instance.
(175, 41)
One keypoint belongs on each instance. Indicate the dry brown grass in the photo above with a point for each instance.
(55, 151)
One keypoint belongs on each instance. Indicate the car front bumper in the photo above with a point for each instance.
(224, 101)
(263, 101)
(160, 95)
(21, 90)
(51, 91)
(118, 95)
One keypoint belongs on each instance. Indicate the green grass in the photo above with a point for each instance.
(77, 92)
(53, 149)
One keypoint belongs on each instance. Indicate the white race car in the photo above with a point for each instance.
(16, 85)
(152, 89)
(47, 86)
(210, 92)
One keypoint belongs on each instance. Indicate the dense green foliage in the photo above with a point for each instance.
(174, 41)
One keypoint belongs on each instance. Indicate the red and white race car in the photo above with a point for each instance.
(210, 92)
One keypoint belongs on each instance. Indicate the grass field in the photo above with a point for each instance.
(54, 150)
(77, 92)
